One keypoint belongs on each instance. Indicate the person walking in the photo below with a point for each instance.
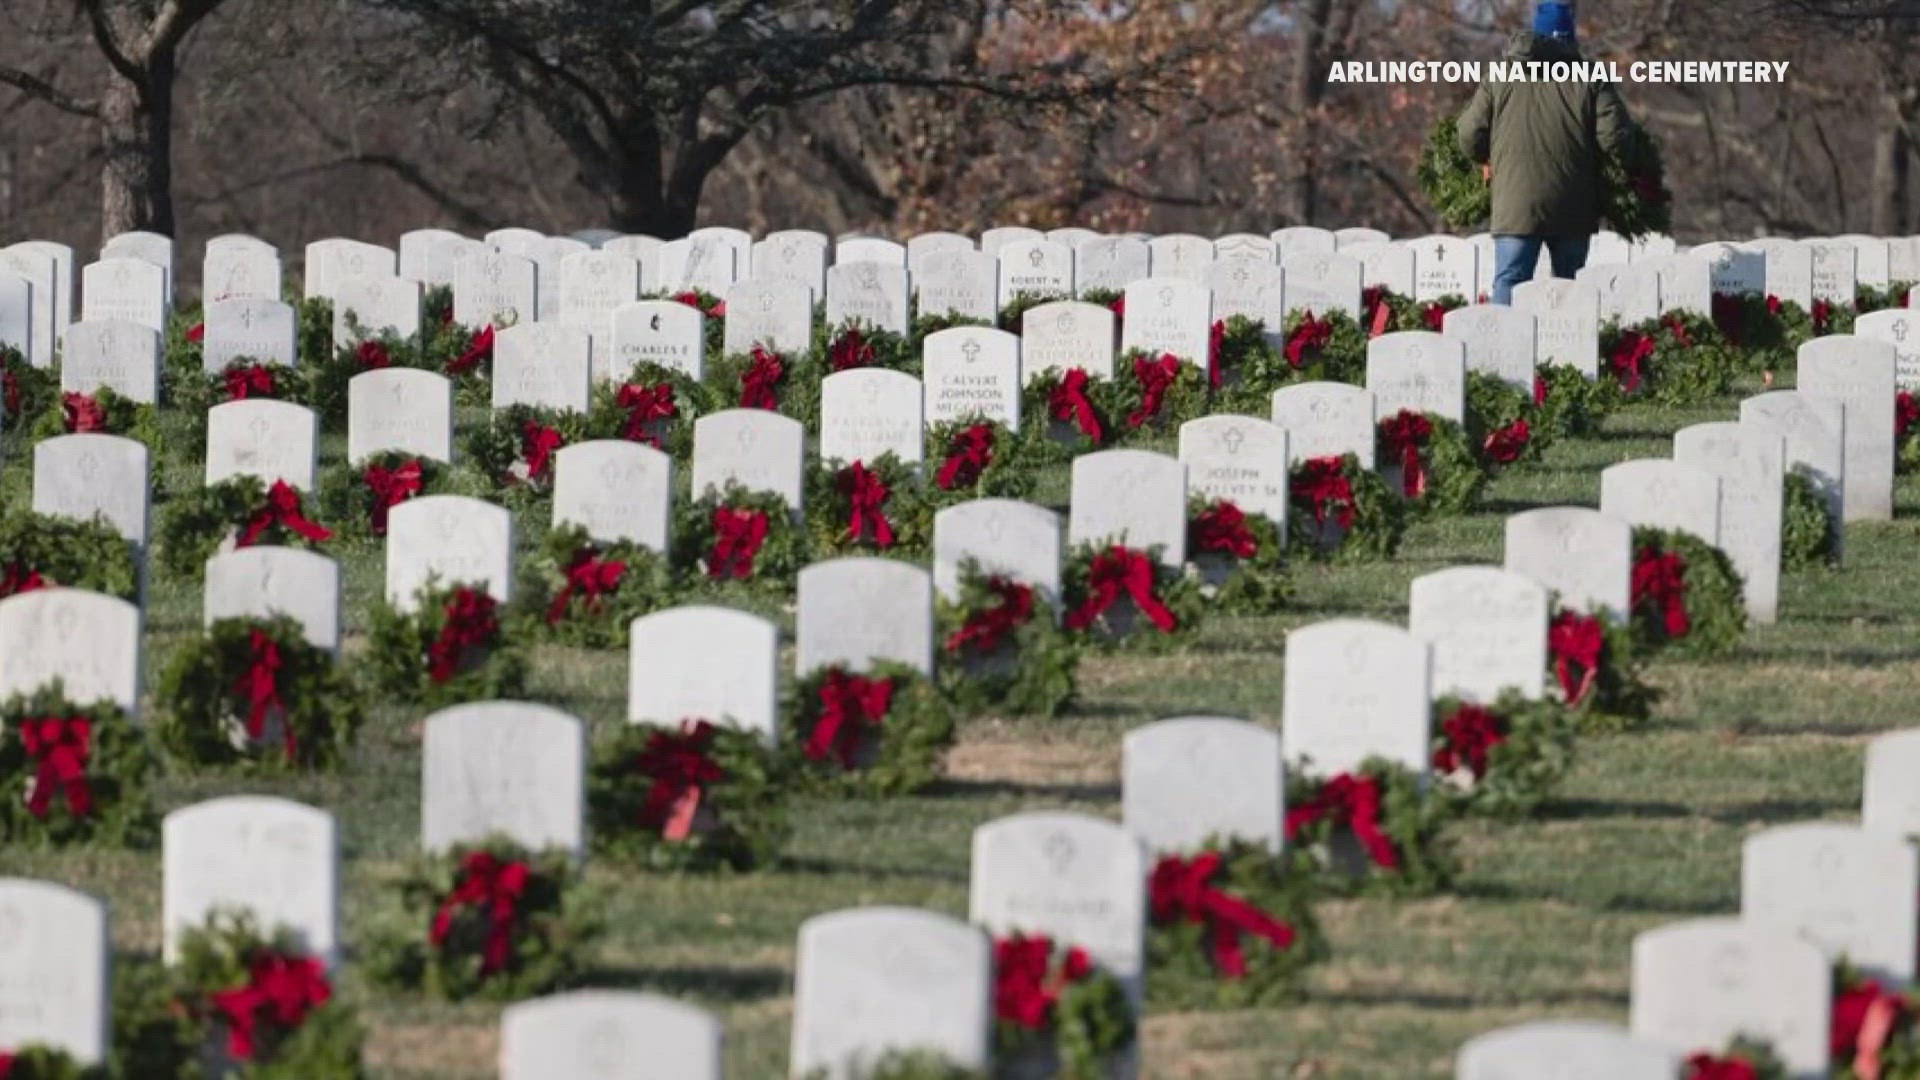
(1539, 145)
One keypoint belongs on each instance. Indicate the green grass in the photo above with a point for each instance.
(1646, 829)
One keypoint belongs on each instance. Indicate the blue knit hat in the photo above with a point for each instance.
(1553, 20)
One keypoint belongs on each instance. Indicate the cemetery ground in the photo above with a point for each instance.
(1645, 830)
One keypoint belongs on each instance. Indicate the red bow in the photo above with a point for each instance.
(1374, 310)
(1216, 343)
(83, 413)
(260, 686)
(389, 488)
(851, 350)
(1659, 579)
(1405, 433)
(1906, 412)
(1222, 527)
(1115, 570)
(1310, 334)
(1435, 316)
(197, 332)
(479, 350)
(1576, 641)
(1472, 733)
(1154, 376)
(692, 300)
(487, 882)
(1355, 802)
(19, 579)
(1822, 315)
(1863, 1018)
(283, 988)
(866, 501)
(1180, 889)
(1118, 307)
(1025, 986)
(372, 355)
(1323, 483)
(680, 767)
(1679, 330)
(252, 380)
(737, 536)
(588, 577)
(60, 746)
(1068, 401)
(971, 454)
(1633, 350)
(848, 703)
(1539, 391)
(1505, 445)
(1773, 304)
(985, 629)
(645, 404)
(282, 509)
(758, 381)
(10, 389)
(537, 445)
(1708, 1067)
(471, 622)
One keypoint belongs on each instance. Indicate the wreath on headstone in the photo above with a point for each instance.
(1567, 403)
(1503, 424)
(762, 378)
(40, 551)
(255, 692)
(516, 448)
(1744, 1059)
(1429, 463)
(927, 324)
(1323, 348)
(1156, 394)
(1239, 557)
(1116, 597)
(1384, 311)
(1597, 671)
(1374, 830)
(490, 921)
(653, 405)
(1342, 511)
(357, 498)
(103, 412)
(1752, 324)
(713, 326)
(25, 391)
(1231, 926)
(1057, 1012)
(858, 508)
(976, 458)
(243, 379)
(237, 512)
(695, 796)
(1808, 527)
(451, 647)
(1002, 648)
(739, 540)
(1241, 365)
(1065, 413)
(73, 773)
(1013, 312)
(877, 733)
(1686, 595)
(34, 1061)
(577, 591)
(908, 1065)
(1501, 759)
(859, 344)
(1678, 359)
(1873, 1031)
(1906, 431)
(442, 350)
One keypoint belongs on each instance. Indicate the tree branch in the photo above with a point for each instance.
(41, 90)
(104, 37)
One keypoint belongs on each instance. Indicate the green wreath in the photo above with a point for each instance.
(1503, 425)
(1503, 759)
(25, 390)
(1567, 403)
(1449, 476)
(1079, 1033)
(1808, 528)
(1180, 400)
(1102, 614)
(789, 389)
(925, 326)
(307, 710)
(1679, 359)
(955, 449)
(1015, 309)
(632, 410)
(1404, 852)
(244, 378)
(1906, 431)
(348, 492)
(905, 1065)
(1059, 422)
(1855, 997)
(905, 516)
(116, 767)
(1240, 558)
(575, 591)
(36, 1062)
(182, 348)
(1705, 616)
(103, 412)
(735, 818)
(857, 343)
(507, 449)
(1751, 323)
(1002, 650)
(714, 310)
(198, 522)
(845, 747)
(450, 649)
(39, 549)
(1248, 365)
(1597, 672)
(1341, 511)
(545, 941)
(313, 333)
(767, 570)
(1328, 347)
(1186, 938)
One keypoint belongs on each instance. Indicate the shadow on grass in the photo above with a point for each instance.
(992, 788)
(808, 864)
(713, 984)
(1587, 809)
(1458, 1002)
(1634, 903)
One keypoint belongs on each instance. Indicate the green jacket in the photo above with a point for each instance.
(1544, 141)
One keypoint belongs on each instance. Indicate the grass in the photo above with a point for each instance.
(1647, 828)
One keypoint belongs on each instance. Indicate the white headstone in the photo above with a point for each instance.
(329, 262)
(1351, 237)
(1385, 265)
(1181, 255)
(42, 269)
(16, 313)
(971, 371)
(431, 256)
(664, 332)
(263, 581)
(56, 957)
(757, 449)
(1790, 271)
(1111, 263)
(594, 285)
(1187, 780)
(1734, 271)
(509, 767)
(1847, 889)
(1859, 374)
(1250, 288)
(1036, 268)
(1871, 258)
(871, 293)
(87, 640)
(867, 412)
(496, 287)
(1500, 341)
(869, 249)
(1568, 1049)
(1246, 246)
(1418, 371)
(453, 539)
(1899, 327)
(1582, 555)
(261, 330)
(1660, 494)
(1700, 983)
(616, 490)
(608, 1035)
(83, 476)
(1169, 316)
(1890, 797)
(1356, 689)
(1488, 629)
(408, 410)
(1445, 266)
(1322, 283)
(1133, 497)
(548, 365)
(1304, 240)
(275, 859)
(123, 357)
(382, 306)
(1835, 269)
(1627, 294)
(644, 250)
(1240, 458)
(771, 314)
(261, 437)
(1569, 322)
(1751, 465)
(1815, 433)
(854, 612)
(793, 257)
(1005, 537)
(963, 283)
(147, 247)
(704, 663)
(992, 240)
(1064, 335)
(1326, 419)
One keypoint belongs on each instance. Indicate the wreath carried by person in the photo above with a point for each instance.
(39, 551)
(1809, 529)
(1686, 595)
(694, 796)
(1374, 830)
(103, 412)
(450, 647)
(736, 540)
(488, 921)
(357, 498)
(1239, 557)
(1634, 198)
(1066, 413)
(1340, 510)
(1120, 598)
(881, 732)
(652, 405)
(1002, 648)
(84, 771)
(1428, 461)
(1501, 759)
(238, 512)
(579, 591)
(1231, 926)
(255, 692)
(516, 448)
(1597, 671)
(1057, 1012)
(975, 458)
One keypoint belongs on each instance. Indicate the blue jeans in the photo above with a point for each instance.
(1514, 259)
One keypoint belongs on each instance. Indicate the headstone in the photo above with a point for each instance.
(408, 410)
(41, 269)
(263, 581)
(259, 330)
(1420, 371)
(264, 438)
(550, 254)
(1246, 246)
(1607, 246)
(1005, 537)
(1240, 458)
(1356, 689)
(616, 490)
(1859, 374)
(992, 240)
(757, 449)
(871, 981)
(854, 612)
(608, 1035)
(971, 371)
(1132, 497)
(1890, 797)
(547, 365)
(1488, 630)
(1649, 248)
(1815, 433)
(1751, 465)
(1326, 419)
(924, 244)
(55, 957)
(1445, 266)
(1072, 237)
(959, 282)
(515, 239)
(1568, 1049)
(1686, 284)
(1583, 556)
(88, 640)
(772, 314)
(329, 262)
(739, 241)
(1627, 295)
(1847, 889)
(1660, 494)
(1871, 260)
(1322, 283)
(452, 539)
(1568, 315)
(1700, 983)
(16, 314)
(1195, 778)
(869, 249)
(1064, 335)
(1355, 237)
(1835, 265)
(1252, 289)
(1384, 265)
(1111, 263)
(1168, 316)
(867, 412)
(88, 475)
(645, 250)
(124, 290)
(1486, 264)
(1304, 239)
(1036, 268)
(593, 286)
(275, 859)
(1182, 256)
(1499, 340)
(1789, 271)
(147, 247)
(495, 287)
(123, 357)
(664, 332)
(431, 256)
(509, 767)
(382, 306)
(1903, 259)
(704, 663)
(1899, 327)
(795, 257)
(1734, 271)
(871, 293)
(240, 267)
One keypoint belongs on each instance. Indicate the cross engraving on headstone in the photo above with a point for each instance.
(1057, 849)
(1166, 297)
(1036, 257)
(1232, 439)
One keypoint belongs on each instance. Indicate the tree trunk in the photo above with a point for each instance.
(136, 178)
(1304, 92)
(1891, 153)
